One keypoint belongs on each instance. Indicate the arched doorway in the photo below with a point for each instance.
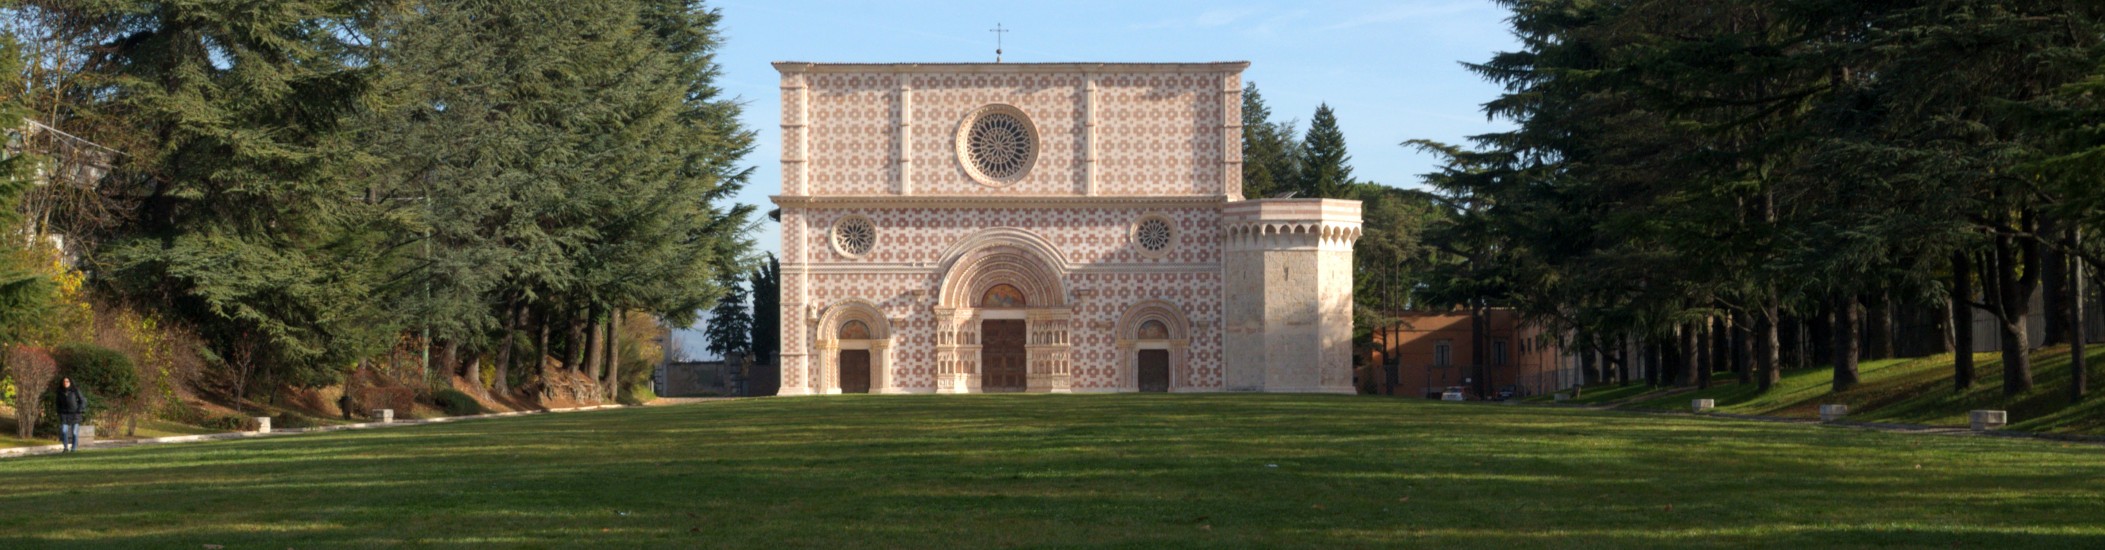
(1002, 315)
(853, 345)
(1153, 337)
(855, 363)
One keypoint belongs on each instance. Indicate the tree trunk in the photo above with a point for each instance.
(573, 346)
(1624, 361)
(541, 351)
(1881, 328)
(1768, 365)
(2053, 293)
(2016, 305)
(1820, 328)
(1694, 371)
(1962, 321)
(1587, 364)
(613, 380)
(1743, 346)
(595, 352)
(449, 357)
(1845, 350)
(1479, 346)
(513, 312)
(1652, 356)
(2079, 369)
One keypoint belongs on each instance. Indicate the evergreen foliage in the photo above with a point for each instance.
(1777, 163)
(767, 310)
(1268, 149)
(314, 184)
(1322, 168)
(730, 325)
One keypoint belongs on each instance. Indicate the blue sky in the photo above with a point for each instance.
(1389, 68)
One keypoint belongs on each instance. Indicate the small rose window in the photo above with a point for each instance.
(854, 236)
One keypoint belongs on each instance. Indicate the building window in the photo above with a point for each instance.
(1154, 234)
(997, 144)
(1498, 352)
(853, 236)
(1443, 353)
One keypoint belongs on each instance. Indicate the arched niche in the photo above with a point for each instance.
(1154, 325)
(844, 329)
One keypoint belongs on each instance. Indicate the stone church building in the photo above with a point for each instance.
(1054, 227)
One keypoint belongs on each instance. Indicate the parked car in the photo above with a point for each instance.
(1453, 393)
(1508, 392)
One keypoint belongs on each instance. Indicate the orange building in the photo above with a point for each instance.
(1424, 353)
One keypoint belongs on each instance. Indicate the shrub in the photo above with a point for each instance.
(456, 403)
(399, 398)
(289, 421)
(31, 370)
(230, 423)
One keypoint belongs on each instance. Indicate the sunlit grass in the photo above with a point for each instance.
(1037, 470)
(1914, 391)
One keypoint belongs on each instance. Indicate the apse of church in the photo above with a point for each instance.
(1072, 227)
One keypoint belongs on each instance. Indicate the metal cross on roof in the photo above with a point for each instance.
(998, 31)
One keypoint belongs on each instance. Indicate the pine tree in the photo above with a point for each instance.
(767, 310)
(1268, 148)
(1323, 169)
(730, 327)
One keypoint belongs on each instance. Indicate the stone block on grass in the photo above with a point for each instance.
(262, 424)
(1989, 420)
(1833, 412)
(1703, 405)
(384, 416)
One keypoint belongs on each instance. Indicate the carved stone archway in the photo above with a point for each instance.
(1035, 270)
(851, 325)
(1176, 338)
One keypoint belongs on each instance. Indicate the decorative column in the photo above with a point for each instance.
(1089, 134)
(827, 375)
(1232, 136)
(952, 368)
(906, 135)
(796, 137)
(881, 367)
(1046, 351)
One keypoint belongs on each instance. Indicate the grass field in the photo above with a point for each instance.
(1039, 470)
(1909, 391)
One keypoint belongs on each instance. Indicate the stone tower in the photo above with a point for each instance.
(1287, 265)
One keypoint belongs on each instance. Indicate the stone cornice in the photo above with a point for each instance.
(1204, 67)
(996, 201)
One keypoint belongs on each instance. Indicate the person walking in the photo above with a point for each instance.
(71, 408)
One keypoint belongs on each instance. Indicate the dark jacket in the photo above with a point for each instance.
(71, 405)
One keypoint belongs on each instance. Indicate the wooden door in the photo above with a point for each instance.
(1002, 365)
(1154, 370)
(855, 371)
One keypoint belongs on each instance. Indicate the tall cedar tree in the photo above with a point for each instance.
(244, 222)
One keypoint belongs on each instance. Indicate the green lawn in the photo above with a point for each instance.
(1036, 470)
(1911, 391)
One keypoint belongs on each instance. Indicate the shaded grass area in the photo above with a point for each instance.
(1047, 470)
(1915, 391)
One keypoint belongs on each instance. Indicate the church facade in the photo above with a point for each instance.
(1070, 227)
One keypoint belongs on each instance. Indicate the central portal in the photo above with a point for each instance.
(1001, 356)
